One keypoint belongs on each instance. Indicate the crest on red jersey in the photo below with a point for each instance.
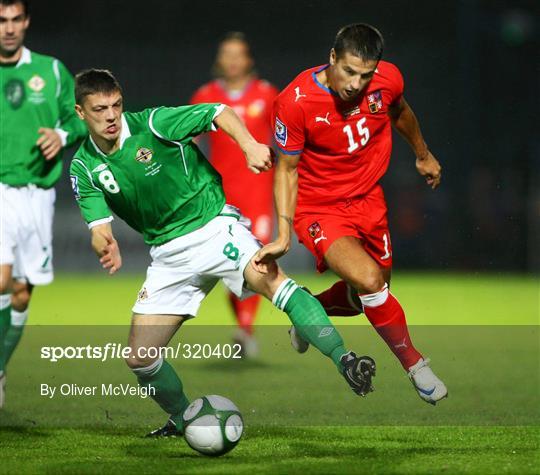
(314, 229)
(375, 101)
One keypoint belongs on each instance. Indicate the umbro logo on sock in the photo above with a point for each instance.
(326, 331)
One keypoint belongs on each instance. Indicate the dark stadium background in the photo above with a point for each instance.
(471, 75)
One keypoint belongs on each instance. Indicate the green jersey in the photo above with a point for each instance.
(35, 92)
(158, 181)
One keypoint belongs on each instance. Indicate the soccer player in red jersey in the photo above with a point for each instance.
(251, 98)
(333, 127)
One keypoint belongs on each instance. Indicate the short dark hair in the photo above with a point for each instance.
(24, 3)
(93, 81)
(359, 39)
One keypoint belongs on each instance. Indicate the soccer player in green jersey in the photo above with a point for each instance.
(146, 168)
(37, 120)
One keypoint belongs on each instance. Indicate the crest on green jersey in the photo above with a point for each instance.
(15, 93)
(36, 83)
(144, 155)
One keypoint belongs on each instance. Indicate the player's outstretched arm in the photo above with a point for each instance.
(258, 156)
(285, 192)
(406, 123)
(106, 247)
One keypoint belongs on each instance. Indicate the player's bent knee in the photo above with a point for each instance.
(371, 282)
(264, 284)
(275, 275)
(139, 359)
(273, 280)
(20, 300)
(144, 372)
(22, 293)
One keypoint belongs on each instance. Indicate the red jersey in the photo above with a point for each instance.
(345, 146)
(254, 106)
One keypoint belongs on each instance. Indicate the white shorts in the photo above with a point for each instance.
(183, 271)
(26, 219)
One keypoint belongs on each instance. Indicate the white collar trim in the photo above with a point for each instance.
(125, 134)
(26, 57)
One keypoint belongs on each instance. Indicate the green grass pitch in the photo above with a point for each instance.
(481, 331)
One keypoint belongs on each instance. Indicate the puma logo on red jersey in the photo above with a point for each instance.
(323, 119)
(298, 95)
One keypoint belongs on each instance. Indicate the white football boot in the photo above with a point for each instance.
(2, 389)
(297, 342)
(430, 388)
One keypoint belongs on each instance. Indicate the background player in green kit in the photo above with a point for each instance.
(145, 167)
(37, 121)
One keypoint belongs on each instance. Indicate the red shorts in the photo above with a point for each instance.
(364, 218)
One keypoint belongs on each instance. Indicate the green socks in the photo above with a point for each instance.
(14, 332)
(165, 387)
(5, 319)
(310, 320)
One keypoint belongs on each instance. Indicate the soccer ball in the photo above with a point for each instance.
(213, 425)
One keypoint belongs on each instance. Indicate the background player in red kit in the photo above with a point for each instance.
(251, 98)
(333, 129)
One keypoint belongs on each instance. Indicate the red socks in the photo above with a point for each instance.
(387, 317)
(245, 311)
(337, 301)
(382, 310)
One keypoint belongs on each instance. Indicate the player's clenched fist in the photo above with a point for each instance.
(259, 157)
(429, 167)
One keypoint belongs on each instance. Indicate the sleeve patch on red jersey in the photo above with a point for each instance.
(281, 133)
